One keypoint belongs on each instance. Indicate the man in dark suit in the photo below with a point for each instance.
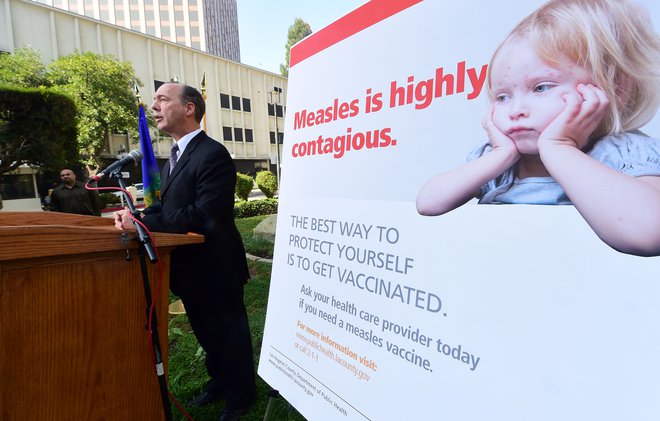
(197, 195)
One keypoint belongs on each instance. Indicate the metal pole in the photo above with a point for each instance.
(277, 91)
(277, 147)
(203, 89)
(272, 395)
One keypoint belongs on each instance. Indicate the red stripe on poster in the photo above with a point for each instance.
(359, 19)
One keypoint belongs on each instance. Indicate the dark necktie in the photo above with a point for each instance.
(173, 153)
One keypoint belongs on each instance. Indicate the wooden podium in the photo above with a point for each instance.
(73, 338)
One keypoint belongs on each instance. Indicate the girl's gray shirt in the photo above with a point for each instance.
(632, 153)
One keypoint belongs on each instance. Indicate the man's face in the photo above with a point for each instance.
(68, 177)
(169, 112)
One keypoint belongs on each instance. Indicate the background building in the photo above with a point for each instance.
(244, 110)
(206, 25)
(221, 25)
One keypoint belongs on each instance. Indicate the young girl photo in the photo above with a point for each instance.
(569, 89)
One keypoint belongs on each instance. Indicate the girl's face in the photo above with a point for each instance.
(528, 92)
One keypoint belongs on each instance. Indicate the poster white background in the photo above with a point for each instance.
(538, 319)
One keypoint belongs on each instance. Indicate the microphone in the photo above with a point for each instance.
(133, 156)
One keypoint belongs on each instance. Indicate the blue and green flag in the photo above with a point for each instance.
(150, 172)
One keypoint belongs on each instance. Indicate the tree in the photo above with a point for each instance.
(102, 89)
(299, 30)
(23, 68)
(37, 127)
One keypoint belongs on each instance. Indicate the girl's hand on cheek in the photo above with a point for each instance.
(573, 126)
(498, 140)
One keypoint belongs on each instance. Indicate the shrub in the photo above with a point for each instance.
(108, 198)
(244, 184)
(37, 127)
(267, 183)
(255, 208)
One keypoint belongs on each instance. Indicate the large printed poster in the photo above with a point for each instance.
(389, 300)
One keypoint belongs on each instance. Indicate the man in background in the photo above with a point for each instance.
(72, 197)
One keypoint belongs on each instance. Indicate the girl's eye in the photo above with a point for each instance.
(501, 97)
(542, 88)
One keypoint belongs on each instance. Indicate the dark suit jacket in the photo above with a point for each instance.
(199, 197)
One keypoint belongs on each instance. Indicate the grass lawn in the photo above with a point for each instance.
(187, 374)
(254, 245)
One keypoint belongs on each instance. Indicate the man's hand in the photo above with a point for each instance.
(123, 220)
(582, 114)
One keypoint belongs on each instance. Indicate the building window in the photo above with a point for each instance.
(226, 133)
(224, 101)
(248, 135)
(246, 105)
(235, 103)
(271, 110)
(238, 134)
(272, 137)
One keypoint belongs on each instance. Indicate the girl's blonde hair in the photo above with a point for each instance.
(615, 40)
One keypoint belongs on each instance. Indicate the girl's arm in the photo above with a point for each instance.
(622, 210)
(451, 189)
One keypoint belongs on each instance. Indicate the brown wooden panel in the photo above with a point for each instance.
(26, 235)
(73, 343)
(52, 218)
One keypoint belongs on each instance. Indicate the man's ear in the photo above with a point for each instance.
(190, 109)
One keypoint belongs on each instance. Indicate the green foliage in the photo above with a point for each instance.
(23, 68)
(108, 198)
(102, 88)
(255, 245)
(267, 183)
(246, 226)
(244, 184)
(259, 246)
(37, 127)
(255, 207)
(299, 30)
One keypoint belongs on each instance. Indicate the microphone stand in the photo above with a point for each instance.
(146, 245)
(142, 236)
